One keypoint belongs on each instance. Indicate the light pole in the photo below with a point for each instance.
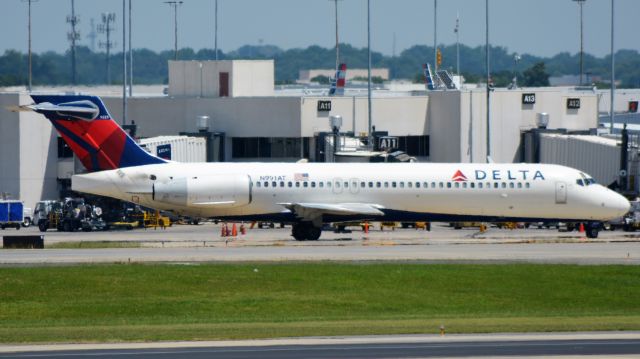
(337, 38)
(215, 31)
(613, 74)
(457, 31)
(29, 45)
(580, 4)
(124, 62)
(370, 138)
(435, 35)
(488, 81)
(130, 55)
(106, 27)
(73, 36)
(174, 5)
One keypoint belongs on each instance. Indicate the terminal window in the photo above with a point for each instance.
(270, 147)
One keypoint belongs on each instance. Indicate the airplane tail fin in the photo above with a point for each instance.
(87, 127)
(337, 85)
(428, 76)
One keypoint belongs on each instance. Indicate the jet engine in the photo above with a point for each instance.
(218, 191)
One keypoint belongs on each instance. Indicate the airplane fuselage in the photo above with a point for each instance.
(411, 192)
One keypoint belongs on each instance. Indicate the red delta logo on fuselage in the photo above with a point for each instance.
(459, 177)
(501, 175)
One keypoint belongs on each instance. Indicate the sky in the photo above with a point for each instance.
(537, 27)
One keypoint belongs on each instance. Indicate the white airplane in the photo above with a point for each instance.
(307, 195)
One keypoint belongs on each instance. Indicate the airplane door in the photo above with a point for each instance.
(561, 193)
(337, 185)
(353, 186)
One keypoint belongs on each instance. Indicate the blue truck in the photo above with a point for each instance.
(11, 214)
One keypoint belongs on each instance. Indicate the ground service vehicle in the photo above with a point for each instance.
(11, 214)
(69, 215)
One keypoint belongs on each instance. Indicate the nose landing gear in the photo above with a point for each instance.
(305, 231)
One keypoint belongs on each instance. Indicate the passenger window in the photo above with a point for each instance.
(297, 184)
(313, 184)
(328, 184)
(511, 185)
(464, 184)
(393, 184)
(479, 184)
(321, 184)
(417, 184)
(440, 185)
(519, 185)
(527, 185)
(258, 184)
(305, 184)
(410, 184)
(337, 184)
(448, 184)
(433, 184)
(472, 184)
(457, 184)
(401, 184)
(378, 184)
(289, 184)
(281, 183)
(504, 185)
(362, 184)
(386, 185)
(346, 185)
(495, 185)
(370, 184)
(266, 184)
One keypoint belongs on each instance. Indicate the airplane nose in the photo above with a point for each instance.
(618, 205)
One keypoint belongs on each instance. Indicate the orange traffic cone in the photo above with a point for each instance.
(234, 230)
(366, 227)
(581, 228)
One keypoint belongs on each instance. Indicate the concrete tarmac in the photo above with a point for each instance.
(443, 244)
(596, 345)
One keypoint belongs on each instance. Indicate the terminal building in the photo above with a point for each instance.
(235, 107)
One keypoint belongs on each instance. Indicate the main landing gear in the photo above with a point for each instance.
(305, 231)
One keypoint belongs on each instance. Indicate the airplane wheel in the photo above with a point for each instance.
(313, 233)
(298, 232)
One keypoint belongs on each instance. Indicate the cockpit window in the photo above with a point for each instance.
(586, 180)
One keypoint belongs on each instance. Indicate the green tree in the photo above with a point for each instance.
(321, 79)
(536, 75)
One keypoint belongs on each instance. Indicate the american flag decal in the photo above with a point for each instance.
(300, 176)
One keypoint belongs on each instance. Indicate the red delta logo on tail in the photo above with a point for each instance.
(87, 127)
(459, 177)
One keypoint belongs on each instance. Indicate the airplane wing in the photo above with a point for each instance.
(314, 211)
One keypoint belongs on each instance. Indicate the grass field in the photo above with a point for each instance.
(224, 301)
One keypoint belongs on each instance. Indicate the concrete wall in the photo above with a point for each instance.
(252, 78)
(9, 146)
(201, 78)
(28, 153)
(401, 116)
(458, 121)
